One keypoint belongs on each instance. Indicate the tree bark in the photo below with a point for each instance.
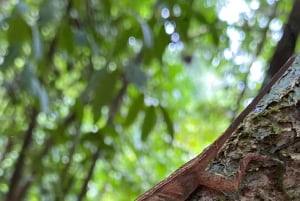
(272, 129)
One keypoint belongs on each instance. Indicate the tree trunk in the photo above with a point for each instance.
(272, 129)
(286, 46)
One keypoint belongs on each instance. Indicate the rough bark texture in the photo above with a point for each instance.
(272, 129)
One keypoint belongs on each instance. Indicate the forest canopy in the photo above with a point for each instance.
(99, 100)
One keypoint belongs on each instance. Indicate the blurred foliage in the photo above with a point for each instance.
(99, 100)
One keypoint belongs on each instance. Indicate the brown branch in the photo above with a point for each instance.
(14, 191)
(19, 166)
(8, 148)
(53, 43)
(113, 109)
(27, 184)
(65, 181)
(89, 175)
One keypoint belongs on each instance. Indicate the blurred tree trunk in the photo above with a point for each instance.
(286, 45)
(272, 129)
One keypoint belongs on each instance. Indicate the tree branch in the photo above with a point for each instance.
(19, 166)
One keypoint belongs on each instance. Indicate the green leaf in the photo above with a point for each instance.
(80, 37)
(36, 42)
(104, 90)
(66, 38)
(161, 41)
(136, 106)
(18, 31)
(147, 34)
(102, 139)
(135, 75)
(13, 52)
(42, 96)
(149, 122)
(121, 41)
(30, 84)
(46, 13)
(168, 121)
(78, 108)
